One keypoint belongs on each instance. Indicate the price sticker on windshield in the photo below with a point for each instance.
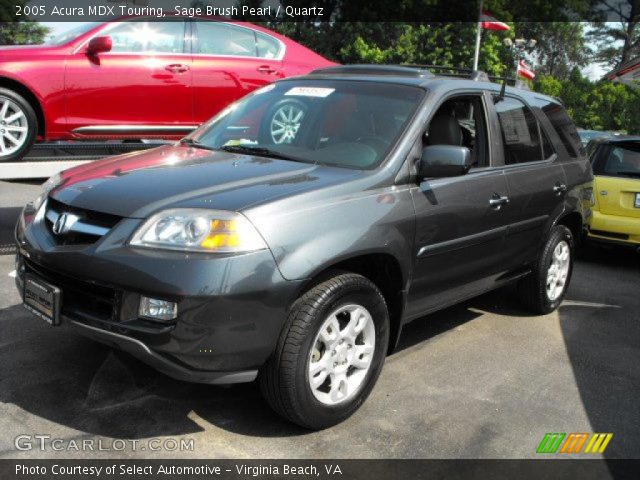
(311, 92)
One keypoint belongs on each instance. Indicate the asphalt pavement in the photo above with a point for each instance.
(484, 379)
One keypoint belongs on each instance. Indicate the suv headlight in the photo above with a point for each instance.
(199, 230)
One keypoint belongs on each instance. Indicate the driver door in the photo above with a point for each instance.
(142, 86)
(460, 227)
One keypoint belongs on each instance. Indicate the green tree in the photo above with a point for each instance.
(18, 30)
(560, 46)
(598, 105)
(618, 42)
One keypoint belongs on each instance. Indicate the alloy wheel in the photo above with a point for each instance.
(14, 129)
(558, 270)
(341, 354)
(285, 123)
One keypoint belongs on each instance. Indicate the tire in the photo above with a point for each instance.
(18, 126)
(286, 381)
(283, 122)
(534, 290)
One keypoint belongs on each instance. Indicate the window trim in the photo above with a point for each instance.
(195, 41)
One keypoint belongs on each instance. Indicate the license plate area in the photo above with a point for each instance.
(42, 299)
(637, 202)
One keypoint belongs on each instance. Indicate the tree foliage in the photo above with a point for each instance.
(560, 46)
(18, 31)
(599, 105)
(618, 42)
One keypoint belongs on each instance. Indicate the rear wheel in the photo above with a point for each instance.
(18, 126)
(544, 288)
(330, 353)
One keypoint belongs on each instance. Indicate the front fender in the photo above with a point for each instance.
(306, 238)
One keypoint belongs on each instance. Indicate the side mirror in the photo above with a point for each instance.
(99, 45)
(444, 161)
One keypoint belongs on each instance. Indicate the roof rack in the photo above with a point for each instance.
(477, 75)
(364, 69)
(408, 70)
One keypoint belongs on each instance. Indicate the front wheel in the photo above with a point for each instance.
(544, 288)
(18, 126)
(330, 353)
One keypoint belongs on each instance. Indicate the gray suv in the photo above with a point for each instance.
(291, 237)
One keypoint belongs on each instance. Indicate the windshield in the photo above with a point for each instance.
(619, 160)
(72, 34)
(342, 123)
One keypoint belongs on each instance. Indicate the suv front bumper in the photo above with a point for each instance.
(231, 308)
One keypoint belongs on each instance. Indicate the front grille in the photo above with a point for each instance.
(87, 227)
(80, 300)
(618, 236)
(97, 305)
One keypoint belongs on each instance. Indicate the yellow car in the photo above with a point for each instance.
(616, 190)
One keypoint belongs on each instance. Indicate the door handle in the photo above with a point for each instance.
(496, 201)
(266, 69)
(177, 68)
(559, 188)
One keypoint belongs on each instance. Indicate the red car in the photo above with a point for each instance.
(136, 78)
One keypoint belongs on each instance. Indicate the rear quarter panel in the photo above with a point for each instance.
(41, 70)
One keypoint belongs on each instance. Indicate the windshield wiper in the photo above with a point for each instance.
(261, 152)
(194, 143)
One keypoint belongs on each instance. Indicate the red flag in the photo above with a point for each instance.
(491, 23)
(525, 71)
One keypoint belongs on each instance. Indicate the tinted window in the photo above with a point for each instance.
(136, 37)
(222, 39)
(564, 126)
(521, 133)
(618, 160)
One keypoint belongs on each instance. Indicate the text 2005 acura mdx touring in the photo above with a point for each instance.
(292, 236)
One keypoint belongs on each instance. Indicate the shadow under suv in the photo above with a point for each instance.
(227, 257)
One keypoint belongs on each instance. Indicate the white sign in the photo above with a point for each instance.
(311, 91)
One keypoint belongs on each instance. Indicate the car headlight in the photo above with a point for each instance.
(47, 186)
(199, 230)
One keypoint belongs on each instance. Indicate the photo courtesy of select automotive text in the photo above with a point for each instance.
(319, 239)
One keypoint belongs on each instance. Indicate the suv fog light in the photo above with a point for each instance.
(155, 309)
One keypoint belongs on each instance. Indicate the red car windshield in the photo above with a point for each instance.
(343, 123)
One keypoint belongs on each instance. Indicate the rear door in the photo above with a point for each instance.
(617, 181)
(230, 61)
(535, 179)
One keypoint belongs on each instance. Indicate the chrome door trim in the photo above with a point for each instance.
(134, 128)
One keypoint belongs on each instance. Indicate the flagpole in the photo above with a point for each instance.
(476, 55)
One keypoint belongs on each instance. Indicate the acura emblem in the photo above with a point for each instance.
(64, 223)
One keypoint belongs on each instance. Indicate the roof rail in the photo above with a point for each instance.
(363, 69)
(477, 75)
(408, 70)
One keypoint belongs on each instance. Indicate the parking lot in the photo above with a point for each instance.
(484, 379)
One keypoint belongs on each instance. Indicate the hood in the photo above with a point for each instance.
(138, 184)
